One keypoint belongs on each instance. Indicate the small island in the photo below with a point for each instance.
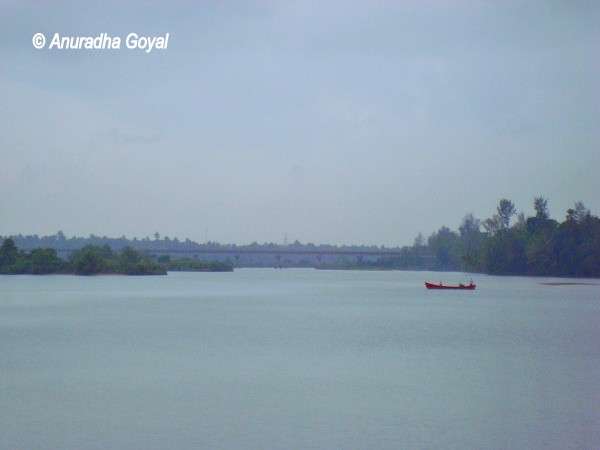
(96, 260)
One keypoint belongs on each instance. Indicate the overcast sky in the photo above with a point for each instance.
(326, 122)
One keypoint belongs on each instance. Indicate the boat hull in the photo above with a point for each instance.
(468, 287)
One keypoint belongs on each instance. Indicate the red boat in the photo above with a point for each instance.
(468, 287)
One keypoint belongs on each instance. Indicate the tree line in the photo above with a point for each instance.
(510, 244)
(91, 260)
(160, 243)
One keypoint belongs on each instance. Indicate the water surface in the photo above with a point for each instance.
(262, 358)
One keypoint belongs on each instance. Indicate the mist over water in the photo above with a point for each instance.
(263, 358)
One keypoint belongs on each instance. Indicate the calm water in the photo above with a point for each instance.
(297, 359)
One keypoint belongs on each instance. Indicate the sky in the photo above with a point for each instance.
(327, 122)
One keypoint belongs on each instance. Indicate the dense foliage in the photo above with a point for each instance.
(37, 262)
(194, 265)
(91, 260)
(536, 245)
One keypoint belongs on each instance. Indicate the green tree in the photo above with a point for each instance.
(130, 256)
(8, 253)
(540, 205)
(87, 261)
(504, 253)
(45, 261)
(492, 225)
(444, 246)
(575, 248)
(133, 262)
(506, 209)
(471, 239)
(579, 213)
(540, 232)
(106, 252)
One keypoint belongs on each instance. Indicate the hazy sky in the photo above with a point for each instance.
(330, 122)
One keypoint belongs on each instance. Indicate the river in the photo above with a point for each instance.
(298, 359)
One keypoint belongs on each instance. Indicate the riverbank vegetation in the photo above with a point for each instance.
(93, 260)
(508, 243)
(194, 265)
(500, 245)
